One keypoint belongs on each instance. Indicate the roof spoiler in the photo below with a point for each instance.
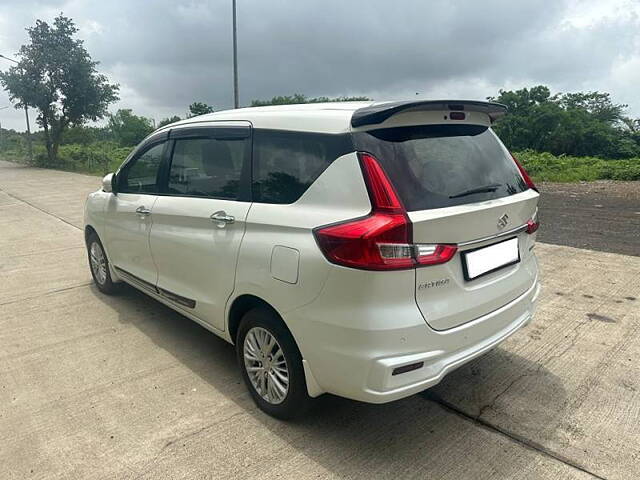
(379, 112)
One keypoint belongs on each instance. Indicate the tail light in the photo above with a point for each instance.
(532, 226)
(383, 240)
(525, 175)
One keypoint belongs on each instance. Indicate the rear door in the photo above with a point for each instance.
(199, 219)
(461, 186)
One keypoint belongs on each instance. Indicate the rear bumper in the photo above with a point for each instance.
(384, 387)
(345, 359)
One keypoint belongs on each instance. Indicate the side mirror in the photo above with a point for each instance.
(108, 182)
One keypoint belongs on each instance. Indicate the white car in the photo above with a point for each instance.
(359, 249)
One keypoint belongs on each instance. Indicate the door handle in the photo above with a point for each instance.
(221, 218)
(142, 210)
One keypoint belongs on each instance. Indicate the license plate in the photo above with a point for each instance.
(489, 259)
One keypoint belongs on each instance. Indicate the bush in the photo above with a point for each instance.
(545, 167)
(98, 157)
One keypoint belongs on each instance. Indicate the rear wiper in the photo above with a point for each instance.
(486, 188)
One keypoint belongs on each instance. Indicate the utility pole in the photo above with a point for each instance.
(26, 113)
(236, 96)
(1, 108)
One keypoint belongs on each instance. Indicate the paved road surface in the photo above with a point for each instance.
(122, 387)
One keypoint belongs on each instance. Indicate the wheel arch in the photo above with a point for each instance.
(245, 302)
(88, 230)
(241, 305)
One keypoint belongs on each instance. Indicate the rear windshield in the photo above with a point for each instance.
(436, 166)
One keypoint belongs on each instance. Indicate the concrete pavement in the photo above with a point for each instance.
(122, 387)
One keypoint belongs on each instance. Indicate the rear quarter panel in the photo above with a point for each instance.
(338, 194)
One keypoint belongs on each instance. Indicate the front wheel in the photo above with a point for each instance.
(271, 365)
(100, 265)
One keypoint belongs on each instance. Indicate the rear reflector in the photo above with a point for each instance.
(407, 368)
(532, 226)
(383, 239)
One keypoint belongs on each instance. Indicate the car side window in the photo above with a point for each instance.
(140, 175)
(207, 167)
(285, 164)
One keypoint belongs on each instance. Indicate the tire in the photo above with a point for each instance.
(255, 327)
(99, 265)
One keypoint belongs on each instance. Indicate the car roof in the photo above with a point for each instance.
(333, 117)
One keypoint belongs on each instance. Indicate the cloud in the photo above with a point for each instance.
(166, 54)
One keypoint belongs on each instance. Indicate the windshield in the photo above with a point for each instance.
(436, 166)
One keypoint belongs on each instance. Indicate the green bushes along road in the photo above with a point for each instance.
(545, 167)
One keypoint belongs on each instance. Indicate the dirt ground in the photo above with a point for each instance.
(603, 215)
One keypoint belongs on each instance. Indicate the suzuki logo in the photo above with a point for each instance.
(503, 221)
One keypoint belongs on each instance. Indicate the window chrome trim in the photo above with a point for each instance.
(513, 231)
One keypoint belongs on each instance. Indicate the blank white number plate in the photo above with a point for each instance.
(493, 257)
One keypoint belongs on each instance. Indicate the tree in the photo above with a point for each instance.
(167, 121)
(129, 129)
(56, 76)
(582, 123)
(599, 105)
(632, 130)
(199, 108)
(297, 98)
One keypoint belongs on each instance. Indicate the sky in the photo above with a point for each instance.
(166, 54)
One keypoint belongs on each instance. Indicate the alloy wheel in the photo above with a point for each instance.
(98, 263)
(266, 365)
